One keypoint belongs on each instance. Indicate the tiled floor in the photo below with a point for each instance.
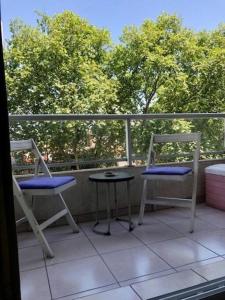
(158, 257)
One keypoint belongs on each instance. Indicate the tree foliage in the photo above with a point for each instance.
(59, 67)
(162, 66)
(66, 65)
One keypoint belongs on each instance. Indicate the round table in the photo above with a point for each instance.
(112, 178)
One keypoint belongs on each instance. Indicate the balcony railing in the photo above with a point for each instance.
(128, 119)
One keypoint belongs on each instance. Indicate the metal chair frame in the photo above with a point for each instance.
(22, 196)
(172, 201)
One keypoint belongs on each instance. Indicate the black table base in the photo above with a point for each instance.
(102, 178)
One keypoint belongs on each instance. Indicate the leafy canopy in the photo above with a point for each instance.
(66, 65)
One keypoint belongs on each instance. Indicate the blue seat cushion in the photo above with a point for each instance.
(43, 182)
(167, 171)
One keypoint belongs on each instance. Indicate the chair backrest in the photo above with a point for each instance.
(29, 145)
(21, 145)
(194, 138)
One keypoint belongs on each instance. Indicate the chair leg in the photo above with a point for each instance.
(142, 206)
(35, 226)
(192, 217)
(153, 191)
(69, 217)
(193, 207)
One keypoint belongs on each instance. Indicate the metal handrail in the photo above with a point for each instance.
(92, 117)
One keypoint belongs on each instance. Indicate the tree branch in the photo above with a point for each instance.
(151, 95)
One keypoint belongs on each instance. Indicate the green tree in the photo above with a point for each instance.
(146, 59)
(59, 67)
(66, 65)
(200, 88)
(162, 66)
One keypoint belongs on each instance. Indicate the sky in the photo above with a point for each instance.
(115, 14)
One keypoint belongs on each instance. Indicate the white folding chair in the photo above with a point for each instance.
(174, 173)
(41, 185)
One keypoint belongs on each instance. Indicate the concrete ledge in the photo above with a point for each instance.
(81, 198)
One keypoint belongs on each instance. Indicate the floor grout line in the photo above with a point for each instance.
(70, 260)
(198, 261)
(135, 292)
(48, 279)
(89, 290)
(199, 243)
(152, 274)
(143, 243)
(199, 275)
(149, 274)
(185, 236)
(117, 282)
(155, 253)
(32, 269)
(119, 250)
(50, 242)
(102, 258)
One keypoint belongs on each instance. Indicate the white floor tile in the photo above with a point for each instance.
(60, 233)
(211, 271)
(71, 249)
(131, 263)
(183, 226)
(200, 263)
(181, 251)
(167, 284)
(148, 219)
(78, 271)
(123, 293)
(26, 239)
(170, 215)
(204, 209)
(91, 292)
(217, 218)
(115, 227)
(155, 233)
(115, 242)
(147, 277)
(213, 240)
(31, 258)
(34, 285)
(78, 276)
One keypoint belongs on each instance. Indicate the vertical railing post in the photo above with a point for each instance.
(128, 142)
(223, 133)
